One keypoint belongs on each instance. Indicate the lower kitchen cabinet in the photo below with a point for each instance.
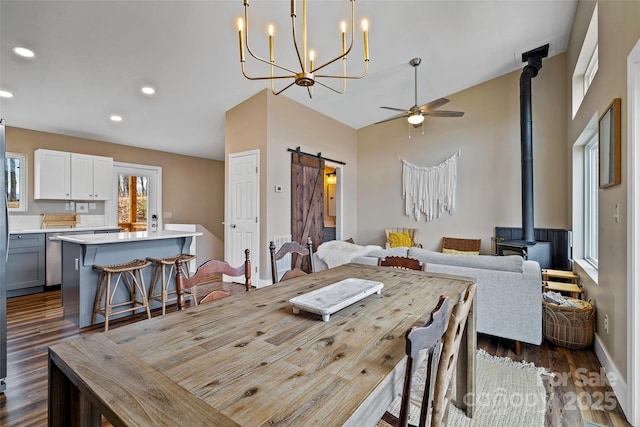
(26, 264)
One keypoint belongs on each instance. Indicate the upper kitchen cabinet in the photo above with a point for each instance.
(60, 175)
(52, 175)
(91, 177)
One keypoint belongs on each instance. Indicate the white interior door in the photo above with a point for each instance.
(153, 175)
(242, 223)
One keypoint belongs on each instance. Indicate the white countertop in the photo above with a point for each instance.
(61, 229)
(105, 238)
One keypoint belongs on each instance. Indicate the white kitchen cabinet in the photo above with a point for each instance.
(52, 175)
(70, 176)
(91, 177)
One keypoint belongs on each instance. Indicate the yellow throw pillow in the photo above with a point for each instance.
(457, 252)
(399, 239)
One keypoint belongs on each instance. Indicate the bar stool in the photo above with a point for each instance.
(160, 275)
(133, 281)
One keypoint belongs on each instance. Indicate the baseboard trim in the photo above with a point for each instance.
(620, 385)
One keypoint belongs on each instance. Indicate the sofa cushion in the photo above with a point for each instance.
(383, 253)
(457, 252)
(488, 262)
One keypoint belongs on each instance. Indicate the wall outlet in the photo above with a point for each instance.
(606, 324)
(82, 207)
(167, 214)
(92, 206)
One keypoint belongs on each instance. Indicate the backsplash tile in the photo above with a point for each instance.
(27, 222)
(21, 222)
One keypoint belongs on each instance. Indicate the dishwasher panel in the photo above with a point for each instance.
(53, 256)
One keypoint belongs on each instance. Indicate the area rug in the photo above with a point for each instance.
(508, 394)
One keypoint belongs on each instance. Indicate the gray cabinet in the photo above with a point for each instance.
(26, 264)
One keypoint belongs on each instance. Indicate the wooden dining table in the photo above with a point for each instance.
(248, 360)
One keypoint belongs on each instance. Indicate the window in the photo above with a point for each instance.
(15, 172)
(591, 202)
(586, 65)
(592, 69)
(133, 192)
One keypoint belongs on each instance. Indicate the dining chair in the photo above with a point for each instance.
(456, 245)
(202, 276)
(402, 262)
(293, 248)
(421, 338)
(449, 357)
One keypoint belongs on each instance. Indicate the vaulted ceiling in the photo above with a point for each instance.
(92, 57)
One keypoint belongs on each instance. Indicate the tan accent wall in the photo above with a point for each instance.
(618, 32)
(192, 188)
(488, 180)
(281, 123)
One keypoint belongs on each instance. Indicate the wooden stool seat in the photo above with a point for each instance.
(133, 281)
(570, 288)
(160, 275)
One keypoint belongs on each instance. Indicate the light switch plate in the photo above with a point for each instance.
(82, 207)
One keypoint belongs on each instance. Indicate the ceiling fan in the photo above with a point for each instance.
(415, 115)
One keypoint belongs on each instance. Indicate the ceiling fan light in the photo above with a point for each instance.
(415, 119)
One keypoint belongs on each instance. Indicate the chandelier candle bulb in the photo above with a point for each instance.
(344, 38)
(240, 25)
(271, 56)
(365, 29)
(312, 56)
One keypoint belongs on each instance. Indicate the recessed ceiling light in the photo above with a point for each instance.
(24, 52)
(5, 94)
(116, 118)
(148, 90)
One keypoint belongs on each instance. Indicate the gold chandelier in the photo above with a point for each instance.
(308, 74)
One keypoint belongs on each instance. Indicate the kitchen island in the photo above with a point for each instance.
(80, 253)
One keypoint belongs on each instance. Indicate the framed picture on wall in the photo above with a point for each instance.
(609, 146)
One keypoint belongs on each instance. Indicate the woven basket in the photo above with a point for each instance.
(570, 327)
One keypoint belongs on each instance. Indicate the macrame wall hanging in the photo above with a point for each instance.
(430, 190)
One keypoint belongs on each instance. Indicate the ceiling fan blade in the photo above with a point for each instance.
(433, 104)
(395, 109)
(443, 113)
(399, 116)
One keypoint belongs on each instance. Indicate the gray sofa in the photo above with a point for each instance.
(509, 291)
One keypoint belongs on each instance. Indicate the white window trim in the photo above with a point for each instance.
(591, 202)
(592, 69)
(578, 196)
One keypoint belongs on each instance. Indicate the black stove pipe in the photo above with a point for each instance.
(534, 64)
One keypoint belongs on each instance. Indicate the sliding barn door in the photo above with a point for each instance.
(307, 202)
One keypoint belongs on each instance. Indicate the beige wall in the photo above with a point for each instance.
(281, 123)
(488, 186)
(193, 188)
(618, 32)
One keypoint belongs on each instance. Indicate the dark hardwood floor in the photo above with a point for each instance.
(35, 322)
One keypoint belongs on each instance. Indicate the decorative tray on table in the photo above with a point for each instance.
(326, 301)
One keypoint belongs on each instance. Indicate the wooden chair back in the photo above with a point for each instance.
(293, 248)
(449, 357)
(202, 275)
(422, 337)
(402, 262)
(464, 245)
